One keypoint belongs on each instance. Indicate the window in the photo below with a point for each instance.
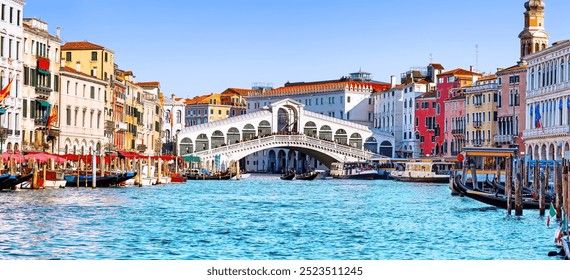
(3, 11)
(68, 56)
(348, 99)
(106, 57)
(93, 56)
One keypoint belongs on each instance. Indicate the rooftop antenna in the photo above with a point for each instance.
(430, 58)
(476, 57)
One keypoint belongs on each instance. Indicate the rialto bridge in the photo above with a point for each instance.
(287, 126)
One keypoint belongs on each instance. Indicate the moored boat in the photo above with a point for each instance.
(308, 176)
(424, 171)
(354, 170)
(290, 175)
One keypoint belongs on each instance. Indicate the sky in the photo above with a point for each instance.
(201, 47)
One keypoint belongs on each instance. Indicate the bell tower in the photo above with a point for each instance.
(534, 37)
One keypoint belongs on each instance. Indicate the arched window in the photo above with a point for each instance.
(179, 117)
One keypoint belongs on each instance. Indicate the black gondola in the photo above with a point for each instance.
(307, 176)
(222, 176)
(288, 176)
(494, 199)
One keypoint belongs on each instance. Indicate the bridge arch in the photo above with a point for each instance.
(355, 140)
(186, 146)
(218, 139)
(310, 129)
(233, 135)
(202, 143)
(371, 144)
(264, 128)
(248, 132)
(340, 136)
(386, 149)
(326, 133)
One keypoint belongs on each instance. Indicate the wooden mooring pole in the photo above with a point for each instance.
(542, 193)
(519, 189)
(565, 187)
(536, 180)
(558, 189)
(508, 182)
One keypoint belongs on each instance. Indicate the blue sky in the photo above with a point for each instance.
(199, 47)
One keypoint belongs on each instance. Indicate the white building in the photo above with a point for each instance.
(81, 117)
(547, 132)
(174, 119)
(11, 66)
(41, 83)
(348, 98)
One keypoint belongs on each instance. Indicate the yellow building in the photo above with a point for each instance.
(481, 112)
(216, 106)
(96, 61)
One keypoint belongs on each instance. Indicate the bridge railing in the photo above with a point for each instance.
(301, 140)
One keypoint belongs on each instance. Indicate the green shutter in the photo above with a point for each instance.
(34, 77)
(26, 76)
(32, 109)
(56, 83)
(25, 109)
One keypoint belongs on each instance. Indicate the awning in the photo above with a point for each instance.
(2, 111)
(129, 155)
(43, 103)
(43, 72)
(191, 158)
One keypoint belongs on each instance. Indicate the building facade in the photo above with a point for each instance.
(481, 112)
(82, 107)
(41, 92)
(11, 69)
(455, 123)
(511, 107)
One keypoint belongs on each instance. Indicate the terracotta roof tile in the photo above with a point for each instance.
(149, 84)
(81, 46)
(459, 71)
(71, 70)
(437, 66)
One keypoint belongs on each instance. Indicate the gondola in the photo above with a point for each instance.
(494, 199)
(12, 181)
(288, 176)
(307, 176)
(222, 176)
(105, 181)
(123, 177)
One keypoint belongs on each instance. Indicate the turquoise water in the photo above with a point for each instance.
(264, 218)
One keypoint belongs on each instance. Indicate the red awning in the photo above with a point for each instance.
(130, 155)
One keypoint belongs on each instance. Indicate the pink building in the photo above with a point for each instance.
(511, 107)
(454, 127)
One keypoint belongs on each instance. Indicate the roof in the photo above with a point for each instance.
(488, 78)
(427, 95)
(84, 45)
(149, 84)
(437, 66)
(512, 68)
(324, 87)
(459, 71)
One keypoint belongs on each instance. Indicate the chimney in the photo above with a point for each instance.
(392, 81)
(471, 68)
(58, 32)
(172, 96)
(78, 66)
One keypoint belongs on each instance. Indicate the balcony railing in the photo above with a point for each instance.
(504, 139)
(563, 130)
(109, 125)
(121, 126)
(40, 122)
(42, 90)
(18, 132)
(458, 131)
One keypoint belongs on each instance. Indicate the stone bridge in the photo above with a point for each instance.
(283, 124)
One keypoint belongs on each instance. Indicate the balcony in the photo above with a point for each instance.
(141, 148)
(477, 124)
(556, 131)
(40, 122)
(504, 139)
(120, 100)
(458, 132)
(477, 104)
(121, 126)
(18, 132)
(477, 142)
(43, 92)
(109, 125)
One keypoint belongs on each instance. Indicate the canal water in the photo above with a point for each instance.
(265, 218)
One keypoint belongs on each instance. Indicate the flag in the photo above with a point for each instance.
(6, 91)
(537, 116)
(52, 118)
(552, 210)
(170, 117)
